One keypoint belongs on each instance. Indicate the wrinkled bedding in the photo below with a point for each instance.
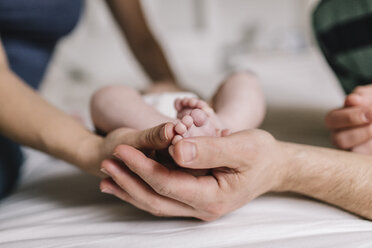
(58, 206)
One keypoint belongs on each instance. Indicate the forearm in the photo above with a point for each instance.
(29, 120)
(336, 177)
(132, 22)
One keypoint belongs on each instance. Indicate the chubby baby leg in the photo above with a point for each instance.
(120, 106)
(239, 103)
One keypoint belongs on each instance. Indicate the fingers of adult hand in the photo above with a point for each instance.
(361, 96)
(203, 153)
(353, 100)
(346, 139)
(365, 148)
(174, 184)
(133, 190)
(154, 138)
(348, 117)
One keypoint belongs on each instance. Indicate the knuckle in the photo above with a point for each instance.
(152, 137)
(163, 190)
(155, 208)
(148, 137)
(157, 212)
(215, 210)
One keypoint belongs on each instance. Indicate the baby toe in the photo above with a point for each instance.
(180, 128)
(188, 121)
(193, 102)
(185, 102)
(199, 117)
(176, 139)
(202, 104)
(183, 113)
(177, 104)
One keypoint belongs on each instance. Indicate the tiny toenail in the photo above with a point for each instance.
(188, 152)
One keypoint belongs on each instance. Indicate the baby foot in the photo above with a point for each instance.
(186, 105)
(196, 118)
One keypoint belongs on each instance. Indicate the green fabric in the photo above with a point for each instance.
(353, 66)
(333, 12)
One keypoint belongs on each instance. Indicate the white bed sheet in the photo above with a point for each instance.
(58, 206)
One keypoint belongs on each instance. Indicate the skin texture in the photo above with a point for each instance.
(239, 104)
(56, 133)
(52, 131)
(241, 171)
(130, 18)
(351, 125)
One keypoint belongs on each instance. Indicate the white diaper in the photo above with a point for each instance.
(164, 102)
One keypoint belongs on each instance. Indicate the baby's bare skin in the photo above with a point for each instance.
(238, 104)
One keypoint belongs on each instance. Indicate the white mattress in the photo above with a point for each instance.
(58, 206)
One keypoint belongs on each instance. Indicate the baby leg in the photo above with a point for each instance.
(119, 106)
(239, 102)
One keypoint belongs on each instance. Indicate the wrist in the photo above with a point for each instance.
(90, 154)
(287, 159)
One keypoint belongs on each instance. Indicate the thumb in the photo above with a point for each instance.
(204, 153)
(155, 138)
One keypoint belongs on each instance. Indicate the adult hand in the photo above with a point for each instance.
(94, 150)
(351, 125)
(240, 167)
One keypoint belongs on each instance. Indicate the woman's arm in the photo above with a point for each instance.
(29, 120)
(130, 18)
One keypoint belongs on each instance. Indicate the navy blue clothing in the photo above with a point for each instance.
(29, 31)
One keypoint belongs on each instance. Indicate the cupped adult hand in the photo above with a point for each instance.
(95, 150)
(243, 166)
(351, 125)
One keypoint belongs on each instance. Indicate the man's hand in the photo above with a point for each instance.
(241, 171)
(351, 125)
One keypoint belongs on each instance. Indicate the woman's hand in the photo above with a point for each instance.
(244, 166)
(95, 149)
(351, 125)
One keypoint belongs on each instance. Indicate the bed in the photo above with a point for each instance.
(58, 206)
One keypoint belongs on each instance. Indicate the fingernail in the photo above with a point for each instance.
(104, 171)
(164, 135)
(188, 152)
(107, 191)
